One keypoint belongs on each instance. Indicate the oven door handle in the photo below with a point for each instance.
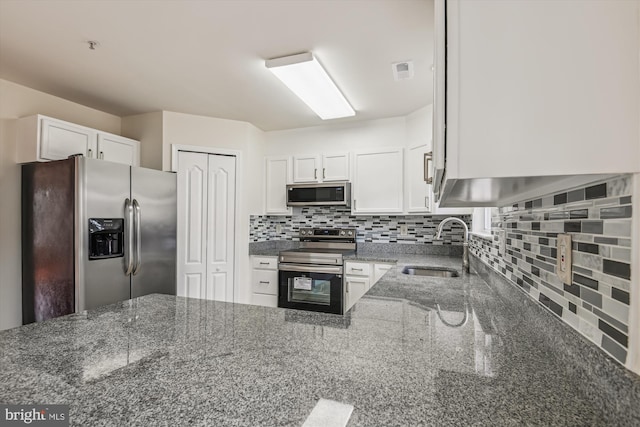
(318, 259)
(310, 268)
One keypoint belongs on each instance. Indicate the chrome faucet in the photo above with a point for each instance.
(465, 244)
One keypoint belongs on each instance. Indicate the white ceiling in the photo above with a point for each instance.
(207, 57)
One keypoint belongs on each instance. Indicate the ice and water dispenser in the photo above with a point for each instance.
(106, 238)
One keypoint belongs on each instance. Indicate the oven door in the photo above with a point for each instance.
(310, 287)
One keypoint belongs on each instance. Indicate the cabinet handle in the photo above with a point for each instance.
(354, 205)
(347, 287)
(315, 174)
(426, 201)
(428, 158)
(264, 263)
(263, 282)
(323, 173)
(89, 153)
(356, 269)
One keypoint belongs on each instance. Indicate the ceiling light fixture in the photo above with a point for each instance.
(304, 75)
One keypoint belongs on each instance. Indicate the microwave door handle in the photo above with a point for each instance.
(138, 261)
(128, 253)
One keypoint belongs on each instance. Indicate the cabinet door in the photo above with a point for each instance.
(305, 168)
(379, 270)
(355, 288)
(439, 92)
(265, 262)
(265, 282)
(335, 167)
(278, 175)
(118, 149)
(357, 269)
(59, 140)
(418, 192)
(378, 181)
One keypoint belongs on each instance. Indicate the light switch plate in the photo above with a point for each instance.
(563, 267)
(502, 239)
(403, 229)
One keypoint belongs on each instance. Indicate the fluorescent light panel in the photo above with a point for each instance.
(305, 77)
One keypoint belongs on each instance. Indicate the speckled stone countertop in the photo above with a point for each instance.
(414, 351)
(383, 252)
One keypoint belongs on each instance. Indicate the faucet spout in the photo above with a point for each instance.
(465, 244)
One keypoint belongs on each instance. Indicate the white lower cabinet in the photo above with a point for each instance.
(264, 280)
(359, 278)
(355, 288)
(379, 270)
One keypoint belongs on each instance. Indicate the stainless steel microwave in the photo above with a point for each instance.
(319, 194)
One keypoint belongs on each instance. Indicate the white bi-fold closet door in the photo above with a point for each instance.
(206, 225)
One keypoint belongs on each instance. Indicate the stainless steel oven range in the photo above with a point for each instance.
(310, 278)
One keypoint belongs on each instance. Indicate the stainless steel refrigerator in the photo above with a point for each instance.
(94, 233)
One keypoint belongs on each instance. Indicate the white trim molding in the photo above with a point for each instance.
(633, 357)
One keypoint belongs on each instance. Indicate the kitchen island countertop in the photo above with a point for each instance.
(413, 351)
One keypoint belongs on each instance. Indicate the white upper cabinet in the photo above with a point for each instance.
(305, 168)
(60, 140)
(540, 96)
(321, 168)
(335, 167)
(278, 175)
(117, 149)
(418, 194)
(377, 181)
(42, 138)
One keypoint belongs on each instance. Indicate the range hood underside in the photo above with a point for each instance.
(505, 191)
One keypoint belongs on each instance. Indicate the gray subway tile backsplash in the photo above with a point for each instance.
(598, 217)
(613, 348)
(595, 191)
(421, 229)
(615, 268)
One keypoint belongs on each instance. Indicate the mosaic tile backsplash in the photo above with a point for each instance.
(598, 218)
(370, 228)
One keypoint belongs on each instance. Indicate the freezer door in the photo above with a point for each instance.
(153, 195)
(48, 275)
(103, 188)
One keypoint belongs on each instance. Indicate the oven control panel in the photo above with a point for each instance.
(328, 233)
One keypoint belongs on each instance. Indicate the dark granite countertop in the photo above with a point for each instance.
(380, 252)
(414, 351)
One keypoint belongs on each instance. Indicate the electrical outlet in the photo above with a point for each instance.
(563, 267)
(403, 230)
(278, 228)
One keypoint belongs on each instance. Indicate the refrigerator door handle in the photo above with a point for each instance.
(138, 260)
(128, 253)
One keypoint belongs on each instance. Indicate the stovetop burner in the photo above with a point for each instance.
(324, 246)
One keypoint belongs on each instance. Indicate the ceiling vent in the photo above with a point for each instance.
(402, 70)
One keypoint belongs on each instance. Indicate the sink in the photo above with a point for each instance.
(429, 271)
